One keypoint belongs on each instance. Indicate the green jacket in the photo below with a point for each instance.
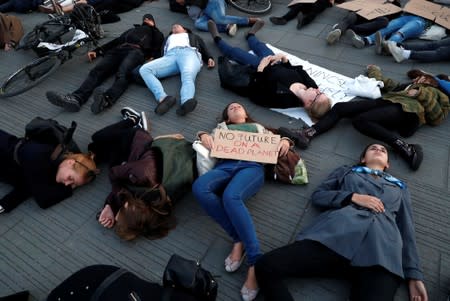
(430, 104)
(179, 169)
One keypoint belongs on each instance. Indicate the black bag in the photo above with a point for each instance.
(49, 131)
(189, 276)
(235, 77)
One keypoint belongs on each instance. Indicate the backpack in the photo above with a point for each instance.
(234, 76)
(49, 131)
(11, 30)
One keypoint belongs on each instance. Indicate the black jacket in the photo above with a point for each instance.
(148, 38)
(270, 88)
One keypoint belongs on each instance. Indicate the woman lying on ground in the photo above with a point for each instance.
(148, 176)
(276, 84)
(223, 190)
(366, 235)
(184, 54)
(40, 171)
(401, 109)
(422, 51)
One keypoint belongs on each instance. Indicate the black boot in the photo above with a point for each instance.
(301, 137)
(412, 153)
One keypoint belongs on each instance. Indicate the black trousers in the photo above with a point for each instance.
(361, 25)
(112, 144)
(121, 61)
(379, 119)
(307, 258)
(309, 10)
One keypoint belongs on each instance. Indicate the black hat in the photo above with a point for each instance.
(148, 16)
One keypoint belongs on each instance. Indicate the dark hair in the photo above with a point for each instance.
(225, 117)
(188, 30)
(149, 215)
(363, 153)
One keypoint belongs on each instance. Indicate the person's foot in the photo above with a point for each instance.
(256, 27)
(187, 107)
(68, 102)
(2, 209)
(397, 52)
(250, 288)
(232, 30)
(164, 105)
(101, 101)
(235, 259)
(130, 113)
(334, 36)
(299, 20)
(212, 28)
(357, 40)
(379, 43)
(278, 20)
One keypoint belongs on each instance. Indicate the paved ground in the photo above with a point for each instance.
(39, 248)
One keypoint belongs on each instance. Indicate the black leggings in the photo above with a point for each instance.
(307, 258)
(112, 144)
(373, 118)
(309, 10)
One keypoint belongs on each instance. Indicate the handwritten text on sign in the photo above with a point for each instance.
(246, 146)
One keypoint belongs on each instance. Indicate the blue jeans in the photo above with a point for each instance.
(401, 28)
(179, 60)
(243, 57)
(215, 10)
(222, 192)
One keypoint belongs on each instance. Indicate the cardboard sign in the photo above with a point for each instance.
(247, 146)
(293, 2)
(443, 18)
(422, 8)
(371, 9)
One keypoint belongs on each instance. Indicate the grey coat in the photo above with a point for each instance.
(362, 236)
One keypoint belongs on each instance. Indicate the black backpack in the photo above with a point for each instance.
(235, 77)
(49, 131)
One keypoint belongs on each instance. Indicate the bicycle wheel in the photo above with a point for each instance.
(252, 6)
(29, 76)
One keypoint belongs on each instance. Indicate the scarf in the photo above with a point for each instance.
(384, 175)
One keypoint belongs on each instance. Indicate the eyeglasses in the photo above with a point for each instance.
(91, 174)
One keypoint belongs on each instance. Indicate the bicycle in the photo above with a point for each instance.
(252, 6)
(56, 51)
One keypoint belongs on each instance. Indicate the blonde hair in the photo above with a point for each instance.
(84, 165)
(319, 108)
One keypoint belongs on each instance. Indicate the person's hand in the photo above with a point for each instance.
(106, 218)
(265, 61)
(277, 58)
(207, 141)
(413, 92)
(211, 63)
(368, 201)
(92, 55)
(283, 147)
(417, 290)
(8, 47)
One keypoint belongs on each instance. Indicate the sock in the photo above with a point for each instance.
(217, 39)
(406, 53)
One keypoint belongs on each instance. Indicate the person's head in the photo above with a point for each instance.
(149, 20)
(177, 28)
(76, 170)
(316, 103)
(235, 113)
(152, 217)
(375, 156)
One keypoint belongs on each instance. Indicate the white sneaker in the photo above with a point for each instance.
(357, 40)
(334, 36)
(2, 209)
(397, 52)
(143, 123)
(232, 30)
